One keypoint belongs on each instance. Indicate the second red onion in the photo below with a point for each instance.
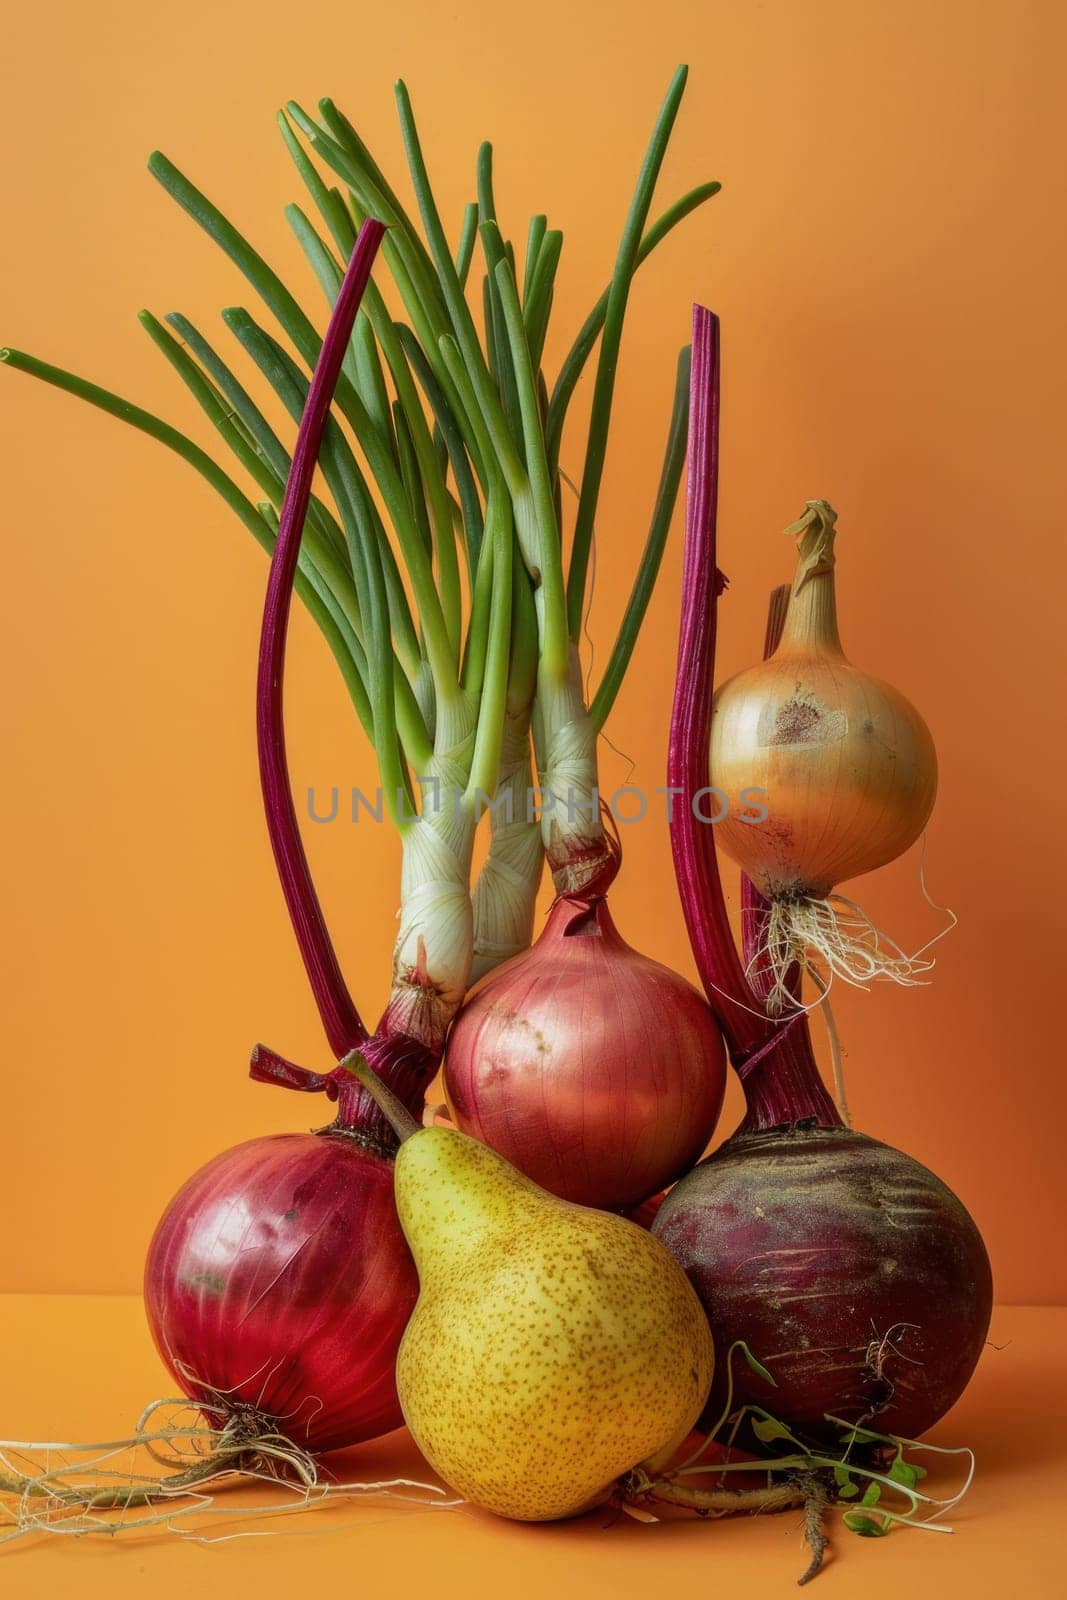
(593, 1069)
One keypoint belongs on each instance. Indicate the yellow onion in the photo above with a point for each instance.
(829, 773)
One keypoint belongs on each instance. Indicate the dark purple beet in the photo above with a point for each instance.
(849, 1270)
(852, 1272)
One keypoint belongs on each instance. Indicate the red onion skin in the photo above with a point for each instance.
(812, 1244)
(593, 1069)
(278, 1278)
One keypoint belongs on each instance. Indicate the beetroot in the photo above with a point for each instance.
(849, 1270)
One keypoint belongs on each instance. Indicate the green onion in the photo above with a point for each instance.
(441, 436)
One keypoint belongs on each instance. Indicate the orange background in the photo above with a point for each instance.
(887, 257)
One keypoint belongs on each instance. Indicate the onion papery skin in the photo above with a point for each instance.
(845, 764)
(813, 1245)
(596, 1071)
(279, 1278)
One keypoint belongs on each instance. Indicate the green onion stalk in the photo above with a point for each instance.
(432, 555)
(490, 384)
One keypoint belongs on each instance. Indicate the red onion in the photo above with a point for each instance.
(848, 1269)
(593, 1069)
(279, 1280)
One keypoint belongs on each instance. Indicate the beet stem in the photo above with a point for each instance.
(692, 842)
(782, 1083)
(785, 1087)
(340, 1019)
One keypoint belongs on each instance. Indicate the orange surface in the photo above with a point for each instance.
(83, 1367)
(887, 257)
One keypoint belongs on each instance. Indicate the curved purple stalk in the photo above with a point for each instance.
(340, 1019)
(784, 1085)
(755, 906)
(772, 1057)
(692, 841)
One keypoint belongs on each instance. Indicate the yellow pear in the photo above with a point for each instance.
(552, 1349)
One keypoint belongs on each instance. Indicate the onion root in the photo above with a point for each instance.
(61, 1496)
(828, 937)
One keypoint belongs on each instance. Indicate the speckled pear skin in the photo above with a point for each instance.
(552, 1348)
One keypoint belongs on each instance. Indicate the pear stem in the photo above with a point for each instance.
(393, 1110)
